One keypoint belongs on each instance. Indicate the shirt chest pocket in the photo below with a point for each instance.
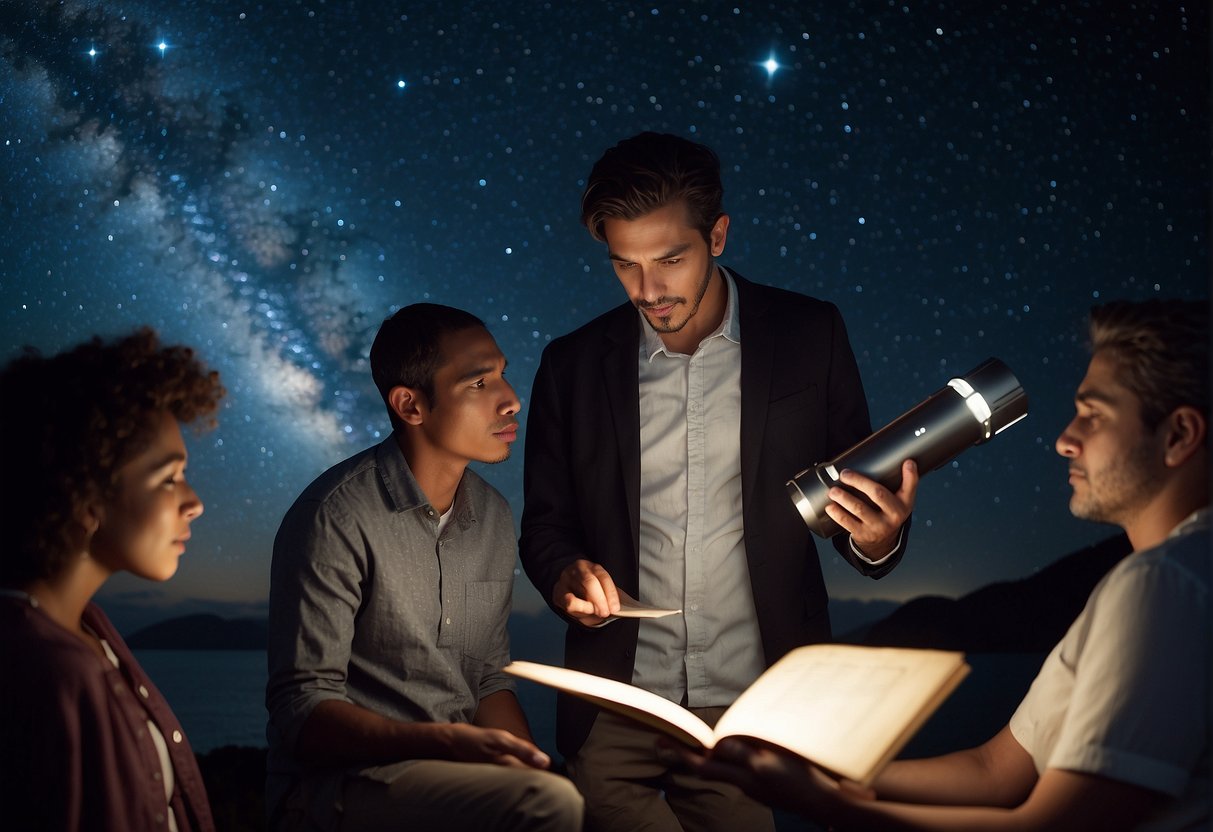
(486, 613)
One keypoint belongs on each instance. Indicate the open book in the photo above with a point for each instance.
(846, 708)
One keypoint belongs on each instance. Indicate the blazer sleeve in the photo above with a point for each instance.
(552, 535)
(848, 423)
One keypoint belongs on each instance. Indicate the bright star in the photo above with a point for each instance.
(401, 84)
(92, 52)
(162, 46)
(770, 65)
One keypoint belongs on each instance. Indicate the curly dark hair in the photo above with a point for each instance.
(69, 422)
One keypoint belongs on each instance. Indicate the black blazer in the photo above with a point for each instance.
(802, 402)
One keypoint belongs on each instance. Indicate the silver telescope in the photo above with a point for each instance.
(968, 411)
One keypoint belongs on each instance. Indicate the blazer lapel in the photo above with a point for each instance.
(621, 381)
(757, 362)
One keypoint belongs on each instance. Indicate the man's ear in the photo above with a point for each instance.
(408, 404)
(719, 235)
(1186, 432)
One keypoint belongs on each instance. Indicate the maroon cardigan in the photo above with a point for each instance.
(74, 747)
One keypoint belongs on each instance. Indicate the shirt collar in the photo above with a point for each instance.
(730, 324)
(1194, 522)
(402, 487)
(397, 479)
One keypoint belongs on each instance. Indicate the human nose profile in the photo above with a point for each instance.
(1066, 444)
(192, 507)
(510, 404)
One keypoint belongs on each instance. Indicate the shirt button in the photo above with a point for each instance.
(143, 691)
(448, 621)
(176, 736)
(159, 818)
(156, 776)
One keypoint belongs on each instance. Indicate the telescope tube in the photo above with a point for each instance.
(968, 411)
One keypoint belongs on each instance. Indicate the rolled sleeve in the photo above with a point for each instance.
(1125, 693)
(316, 578)
(1133, 680)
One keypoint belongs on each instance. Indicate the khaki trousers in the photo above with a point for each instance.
(425, 795)
(627, 789)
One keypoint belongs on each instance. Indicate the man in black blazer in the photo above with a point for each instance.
(657, 454)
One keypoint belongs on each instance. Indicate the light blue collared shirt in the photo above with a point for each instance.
(692, 553)
(692, 549)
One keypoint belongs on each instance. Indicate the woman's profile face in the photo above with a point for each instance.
(146, 523)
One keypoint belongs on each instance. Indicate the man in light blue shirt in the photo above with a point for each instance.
(659, 442)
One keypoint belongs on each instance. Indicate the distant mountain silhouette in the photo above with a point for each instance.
(202, 632)
(850, 618)
(1023, 616)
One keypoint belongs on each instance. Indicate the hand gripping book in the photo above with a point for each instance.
(846, 708)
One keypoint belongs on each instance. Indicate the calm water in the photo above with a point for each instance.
(218, 695)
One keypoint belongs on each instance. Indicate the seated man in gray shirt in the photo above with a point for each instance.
(389, 596)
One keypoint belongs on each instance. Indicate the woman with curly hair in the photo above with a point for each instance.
(93, 483)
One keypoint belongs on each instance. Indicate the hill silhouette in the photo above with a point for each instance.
(202, 632)
(1029, 615)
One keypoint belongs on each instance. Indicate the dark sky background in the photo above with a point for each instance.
(267, 181)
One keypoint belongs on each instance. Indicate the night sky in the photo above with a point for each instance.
(268, 181)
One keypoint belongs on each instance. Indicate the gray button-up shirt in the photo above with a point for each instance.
(692, 555)
(370, 605)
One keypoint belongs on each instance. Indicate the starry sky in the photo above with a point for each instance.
(268, 180)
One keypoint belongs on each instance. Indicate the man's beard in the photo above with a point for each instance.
(1118, 491)
(663, 324)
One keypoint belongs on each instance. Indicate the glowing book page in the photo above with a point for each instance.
(628, 700)
(847, 708)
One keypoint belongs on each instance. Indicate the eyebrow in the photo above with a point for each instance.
(480, 370)
(1086, 396)
(674, 252)
(167, 460)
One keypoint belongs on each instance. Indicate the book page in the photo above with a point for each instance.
(628, 700)
(848, 709)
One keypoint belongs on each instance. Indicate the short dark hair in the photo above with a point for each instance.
(408, 348)
(649, 171)
(1162, 350)
(69, 422)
